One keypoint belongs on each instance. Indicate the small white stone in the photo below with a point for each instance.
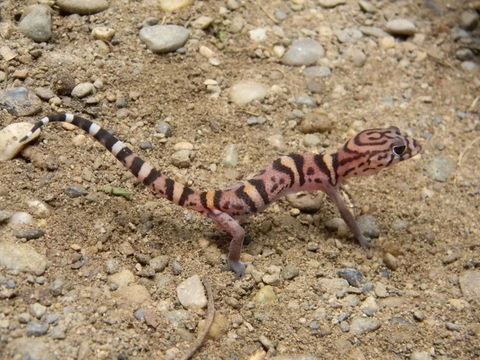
(279, 50)
(38, 208)
(10, 136)
(183, 145)
(243, 92)
(21, 218)
(202, 22)
(79, 140)
(172, 5)
(403, 27)
(207, 52)
(82, 90)
(191, 293)
(103, 33)
(82, 7)
(37, 310)
(164, 38)
(230, 158)
(258, 35)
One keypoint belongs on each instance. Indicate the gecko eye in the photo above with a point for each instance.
(399, 150)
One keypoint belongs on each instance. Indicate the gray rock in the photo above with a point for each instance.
(311, 140)
(353, 276)
(20, 218)
(305, 101)
(361, 325)
(75, 191)
(30, 234)
(111, 266)
(373, 31)
(303, 52)
(159, 263)
(28, 349)
(317, 71)
(176, 267)
(469, 20)
(22, 257)
(82, 7)
(164, 128)
(367, 6)
(253, 120)
(306, 202)
(82, 90)
(330, 3)
(469, 66)
(36, 328)
(20, 101)
(182, 158)
(402, 27)
(52, 318)
(57, 287)
(350, 35)
(368, 226)
(420, 355)
(333, 286)
(441, 168)
(290, 272)
(470, 284)
(37, 310)
(164, 38)
(357, 57)
(37, 23)
(464, 54)
(245, 91)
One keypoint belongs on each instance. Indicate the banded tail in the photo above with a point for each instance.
(160, 185)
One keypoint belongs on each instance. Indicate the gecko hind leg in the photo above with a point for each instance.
(230, 225)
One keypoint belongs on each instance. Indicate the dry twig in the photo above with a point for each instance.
(208, 323)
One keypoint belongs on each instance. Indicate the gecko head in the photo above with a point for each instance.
(375, 149)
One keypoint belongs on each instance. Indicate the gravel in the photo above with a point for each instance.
(164, 38)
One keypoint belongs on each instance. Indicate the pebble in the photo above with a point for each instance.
(230, 158)
(202, 22)
(369, 306)
(303, 52)
(164, 38)
(357, 57)
(353, 276)
(103, 33)
(470, 284)
(305, 101)
(159, 263)
(418, 315)
(122, 278)
(350, 35)
(464, 54)
(369, 226)
(441, 168)
(311, 140)
(36, 23)
(31, 349)
(333, 286)
(328, 4)
(22, 257)
(273, 275)
(367, 6)
(10, 136)
(339, 226)
(20, 218)
(30, 234)
(306, 202)
(315, 122)
(469, 20)
(5, 215)
(111, 266)
(402, 27)
(277, 142)
(420, 355)
(172, 5)
(57, 287)
(361, 325)
(391, 261)
(133, 295)
(317, 71)
(36, 328)
(219, 326)
(253, 120)
(52, 318)
(75, 191)
(20, 101)
(37, 310)
(82, 90)
(245, 91)
(182, 158)
(82, 7)
(469, 66)
(164, 128)
(191, 293)
(266, 295)
(38, 208)
(373, 31)
(258, 35)
(290, 272)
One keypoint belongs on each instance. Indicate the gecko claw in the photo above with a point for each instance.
(238, 268)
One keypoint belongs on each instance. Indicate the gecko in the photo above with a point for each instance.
(366, 153)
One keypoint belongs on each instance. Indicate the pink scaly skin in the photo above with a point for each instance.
(366, 153)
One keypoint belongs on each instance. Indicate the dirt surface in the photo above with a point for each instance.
(419, 86)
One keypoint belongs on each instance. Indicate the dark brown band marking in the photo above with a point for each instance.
(203, 199)
(154, 175)
(299, 161)
(246, 198)
(278, 166)
(185, 194)
(123, 154)
(136, 165)
(260, 187)
(217, 197)
(169, 187)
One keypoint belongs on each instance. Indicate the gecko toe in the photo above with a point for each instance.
(238, 268)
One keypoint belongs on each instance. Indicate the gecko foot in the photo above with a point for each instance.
(238, 268)
(365, 242)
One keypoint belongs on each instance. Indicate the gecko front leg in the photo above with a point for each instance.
(347, 216)
(236, 231)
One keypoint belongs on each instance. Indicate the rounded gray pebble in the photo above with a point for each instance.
(37, 23)
(317, 71)
(82, 7)
(441, 168)
(164, 128)
(368, 226)
(75, 191)
(30, 234)
(20, 101)
(303, 52)
(402, 27)
(353, 276)
(164, 38)
(35, 328)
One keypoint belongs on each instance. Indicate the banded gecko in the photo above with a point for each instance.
(366, 153)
